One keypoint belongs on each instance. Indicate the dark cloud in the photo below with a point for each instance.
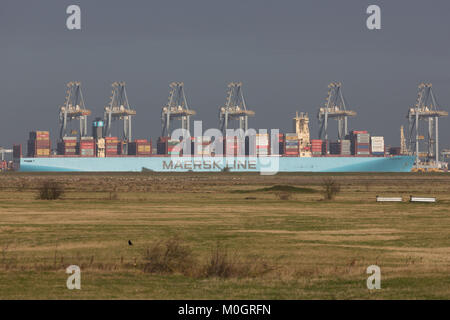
(285, 52)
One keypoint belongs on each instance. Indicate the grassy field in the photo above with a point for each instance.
(224, 236)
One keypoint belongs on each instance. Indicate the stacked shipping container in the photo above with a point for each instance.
(377, 146)
(232, 146)
(358, 143)
(291, 144)
(341, 147)
(39, 144)
(316, 147)
(68, 146)
(202, 146)
(167, 146)
(112, 146)
(174, 147)
(140, 147)
(86, 147)
(161, 145)
(280, 143)
(262, 144)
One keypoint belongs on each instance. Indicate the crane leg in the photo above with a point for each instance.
(417, 139)
(437, 139)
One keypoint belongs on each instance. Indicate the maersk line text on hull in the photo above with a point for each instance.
(209, 165)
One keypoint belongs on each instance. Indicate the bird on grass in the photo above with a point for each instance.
(130, 243)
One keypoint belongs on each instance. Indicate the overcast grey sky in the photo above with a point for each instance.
(285, 53)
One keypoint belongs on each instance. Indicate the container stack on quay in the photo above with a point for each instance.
(112, 146)
(291, 145)
(341, 147)
(377, 146)
(360, 143)
(86, 147)
(67, 147)
(39, 144)
(140, 147)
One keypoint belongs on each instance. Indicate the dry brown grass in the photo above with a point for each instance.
(222, 264)
(284, 196)
(50, 190)
(168, 257)
(270, 247)
(174, 256)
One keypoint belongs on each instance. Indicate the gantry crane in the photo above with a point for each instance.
(235, 108)
(119, 109)
(73, 109)
(176, 109)
(336, 108)
(426, 109)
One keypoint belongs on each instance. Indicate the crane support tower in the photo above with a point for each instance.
(119, 109)
(73, 109)
(426, 109)
(335, 107)
(235, 108)
(176, 109)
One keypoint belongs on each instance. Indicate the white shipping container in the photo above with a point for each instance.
(377, 144)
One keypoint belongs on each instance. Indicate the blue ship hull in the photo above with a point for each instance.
(267, 165)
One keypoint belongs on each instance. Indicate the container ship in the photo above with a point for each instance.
(354, 151)
(89, 154)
